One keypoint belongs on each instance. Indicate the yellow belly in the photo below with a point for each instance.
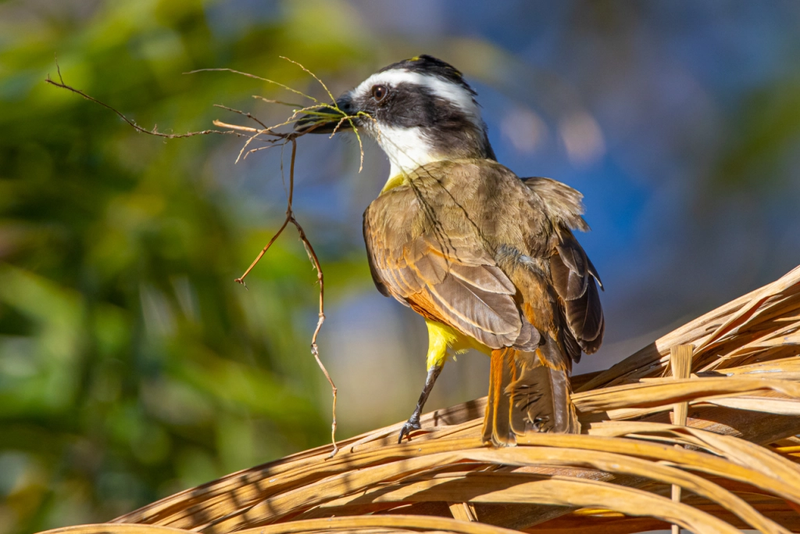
(442, 337)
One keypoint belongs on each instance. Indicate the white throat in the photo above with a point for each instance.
(406, 148)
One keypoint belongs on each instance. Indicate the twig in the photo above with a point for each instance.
(225, 69)
(344, 115)
(234, 126)
(278, 139)
(290, 218)
(268, 130)
(259, 149)
(330, 95)
(254, 119)
(312, 255)
(61, 84)
(314, 348)
(292, 138)
(273, 101)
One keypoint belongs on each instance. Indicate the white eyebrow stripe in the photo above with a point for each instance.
(446, 90)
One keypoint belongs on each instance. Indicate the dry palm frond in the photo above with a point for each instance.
(736, 461)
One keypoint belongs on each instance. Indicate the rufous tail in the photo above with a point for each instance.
(526, 395)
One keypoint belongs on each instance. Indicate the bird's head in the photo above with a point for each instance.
(419, 110)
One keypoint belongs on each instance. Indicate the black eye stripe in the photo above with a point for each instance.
(446, 126)
(410, 105)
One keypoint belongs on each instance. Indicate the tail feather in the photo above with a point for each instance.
(541, 398)
(526, 395)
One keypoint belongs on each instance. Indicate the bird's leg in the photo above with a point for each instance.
(413, 421)
(440, 337)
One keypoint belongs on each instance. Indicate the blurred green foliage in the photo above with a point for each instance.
(131, 364)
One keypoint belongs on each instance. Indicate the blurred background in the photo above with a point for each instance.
(132, 366)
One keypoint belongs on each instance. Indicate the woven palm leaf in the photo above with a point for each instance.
(725, 435)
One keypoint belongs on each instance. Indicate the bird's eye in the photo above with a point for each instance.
(379, 92)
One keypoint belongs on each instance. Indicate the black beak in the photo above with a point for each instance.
(327, 118)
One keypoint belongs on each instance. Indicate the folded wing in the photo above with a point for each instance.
(451, 280)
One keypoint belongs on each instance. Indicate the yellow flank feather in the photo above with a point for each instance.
(394, 181)
(442, 337)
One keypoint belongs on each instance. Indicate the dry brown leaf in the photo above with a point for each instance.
(744, 392)
(665, 392)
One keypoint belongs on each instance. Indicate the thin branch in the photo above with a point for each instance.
(62, 85)
(278, 139)
(330, 95)
(252, 118)
(312, 255)
(273, 101)
(335, 106)
(259, 149)
(314, 348)
(266, 130)
(225, 69)
(240, 280)
(217, 122)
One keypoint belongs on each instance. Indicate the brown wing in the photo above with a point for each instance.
(575, 280)
(428, 245)
(574, 277)
(445, 277)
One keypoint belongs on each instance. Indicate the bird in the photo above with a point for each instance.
(488, 259)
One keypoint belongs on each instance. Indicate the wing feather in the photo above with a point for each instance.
(457, 283)
(575, 280)
(447, 270)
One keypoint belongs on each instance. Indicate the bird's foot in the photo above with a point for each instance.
(409, 426)
(540, 424)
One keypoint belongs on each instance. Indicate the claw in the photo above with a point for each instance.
(413, 421)
(408, 427)
(540, 424)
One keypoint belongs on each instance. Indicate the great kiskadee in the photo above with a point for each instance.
(487, 258)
